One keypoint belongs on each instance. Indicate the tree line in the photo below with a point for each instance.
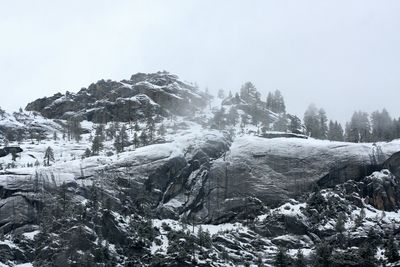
(271, 115)
(362, 127)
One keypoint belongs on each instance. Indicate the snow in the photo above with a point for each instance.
(176, 225)
(31, 235)
(8, 243)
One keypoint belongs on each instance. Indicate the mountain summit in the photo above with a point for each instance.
(127, 100)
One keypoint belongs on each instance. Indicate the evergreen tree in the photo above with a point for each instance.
(279, 102)
(111, 131)
(249, 93)
(124, 137)
(281, 258)
(74, 129)
(358, 130)
(151, 129)
(396, 128)
(323, 255)
(294, 124)
(143, 138)
(48, 156)
(300, 261)
(97, 145)
(270, 101)
(205, 239)
(118, 144)
(281, 124)
(55, 136)
(245, 120)
(367, 254)
(233, 116)
(100, 131)
(137, 127)
(391, 249)
(135, 140)
(323, 128)
(87, 153)
(382, 126)
(340, 221)
(335, 131)
(312, 121)
(219, 119)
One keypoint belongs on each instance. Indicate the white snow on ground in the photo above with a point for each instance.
(292, 208)
(176, 225)
(308, 147)
(69, 164)
(31, 235)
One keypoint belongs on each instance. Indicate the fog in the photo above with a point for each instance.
(341, 55)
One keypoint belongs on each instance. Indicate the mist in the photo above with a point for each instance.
(341, 55)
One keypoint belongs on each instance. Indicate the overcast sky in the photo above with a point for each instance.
(341, 55)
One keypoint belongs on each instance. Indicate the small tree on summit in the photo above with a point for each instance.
(97, 145)
(48, 156)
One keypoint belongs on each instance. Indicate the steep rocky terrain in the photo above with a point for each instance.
(191, 195)
(126, 100)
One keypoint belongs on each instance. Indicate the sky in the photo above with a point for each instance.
(341, 55)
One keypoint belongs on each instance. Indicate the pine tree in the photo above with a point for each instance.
(245, 120)
(323, 128)
(279, 102)
(137, 127)
(48, 156)
(367, 254)
(151, 129)
(270, 101)
(111, 131)
(117, 144)
(281, 258)
(100, 131)
(335, 131)
(358, 130)
(219, 119)
(391, 249)
(74, 129)
(87, 153)
(294, 124)
(135, 140)
(233, 116)
(143, 138)
(249, 93)
(340, 221)
(312, 121)
(382, 126)
(97, 145)
(205, 239)
(323, 255)
(121, 140)
(124, 137)
(281, 124)
(300, 261)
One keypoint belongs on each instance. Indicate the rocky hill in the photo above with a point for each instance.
(127, 100)
(185, 193)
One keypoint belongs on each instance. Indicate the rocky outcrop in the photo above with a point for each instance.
(158, 93)
(256, 171)
(9, 150)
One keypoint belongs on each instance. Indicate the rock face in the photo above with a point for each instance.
(256, 171)
(157, 93)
